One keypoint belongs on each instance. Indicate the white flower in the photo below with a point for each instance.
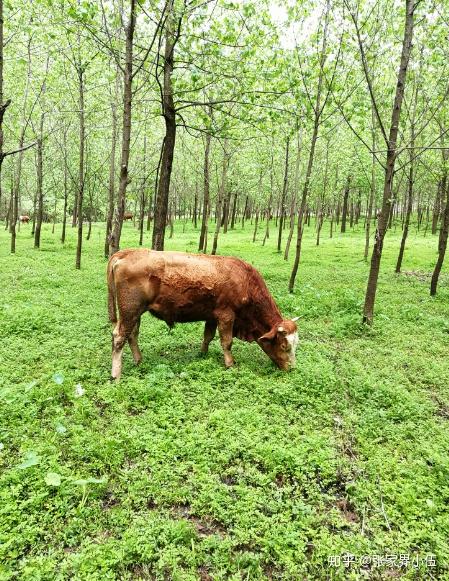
(79, 391)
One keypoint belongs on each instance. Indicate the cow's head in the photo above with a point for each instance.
(280, 343)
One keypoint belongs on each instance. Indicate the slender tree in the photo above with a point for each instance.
(114, 238)
(168, 144)
(370, 296)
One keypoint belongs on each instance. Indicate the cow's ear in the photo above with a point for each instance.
(268, 337)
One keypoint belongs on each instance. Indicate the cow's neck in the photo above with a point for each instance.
(259, 316)
(268, 316)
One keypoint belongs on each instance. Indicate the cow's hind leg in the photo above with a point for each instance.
(132, 340)
(120, 335)
(209, 333)
(225, 324)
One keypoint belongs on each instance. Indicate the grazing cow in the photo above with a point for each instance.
(128, 216)
(24, 219)
(177, 287)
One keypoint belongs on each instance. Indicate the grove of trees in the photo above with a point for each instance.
(324, 114)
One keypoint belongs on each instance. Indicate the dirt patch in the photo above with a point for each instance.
(204, 525)
(421, 276)
(109, 501)
(141, 572)
(442, 408)
(203, 574)
(347, 510)
(228, 480)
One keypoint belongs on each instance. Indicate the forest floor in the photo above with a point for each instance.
(185, 470)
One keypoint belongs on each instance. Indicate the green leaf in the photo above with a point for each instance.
(31, 459)
(58, 378)
(53, 479)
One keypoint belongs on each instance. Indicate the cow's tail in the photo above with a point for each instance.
(112, 295)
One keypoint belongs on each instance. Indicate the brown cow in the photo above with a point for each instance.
(177, 287)
(128, 216)
(24, 219)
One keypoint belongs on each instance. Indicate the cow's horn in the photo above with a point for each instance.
(295, 319)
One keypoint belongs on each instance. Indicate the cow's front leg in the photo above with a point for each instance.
(132, 340)
(209, 333)
(225, 324)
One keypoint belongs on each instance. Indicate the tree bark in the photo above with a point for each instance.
(220, 198)
(40, 194)
(318, 110)
(3, 104)
(284, 194)
(368, 310)
(442, 240)
(18, 171)
(66, 190)
(206, 201)
(114, 239)
(344, 212)
(168, 148)
(294, 198)
(81, 176)
(411, 176)
(111, 190)
(372, 191)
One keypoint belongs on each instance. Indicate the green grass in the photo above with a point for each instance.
(198, 472)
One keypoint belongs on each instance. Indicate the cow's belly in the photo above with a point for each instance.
(184, 308)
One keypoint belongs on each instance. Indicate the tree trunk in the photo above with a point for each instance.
(303, 205)
(114, 239)
(206, 201)
(168, 148)
(267, 228)
(40, 194)
(195, 206)
(234, 210)
(344, 213)
(244, 212)
(143, 200)
(372, 191)
(220, 198)
(284, 194)
(411, 177)
(408, 213)
(111, 190)
(66, 190)
(226, 212)
(18, 172)
(3, 104)
(80, 195)
(368, 311)
(256, 222)
(294, 198)
(442, 241)
(318, 110)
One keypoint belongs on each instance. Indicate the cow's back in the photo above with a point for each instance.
(177, 286)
